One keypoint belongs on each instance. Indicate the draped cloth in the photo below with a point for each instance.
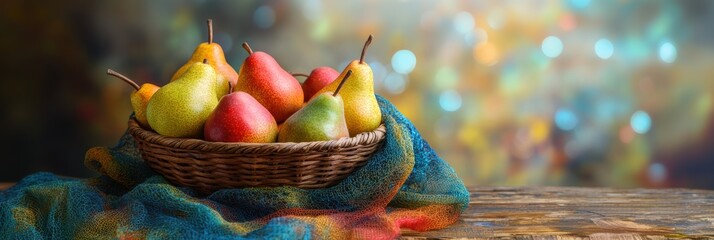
(403, 185)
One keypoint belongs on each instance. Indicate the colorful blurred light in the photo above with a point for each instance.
(450, 101)
(477, 36)
(667, 52)
(566, 119)
(580, 3)
(264, 17)
(640, 122)
(446, 78)
(657, 172)
(463, 22)
(604, 48)
(496, 19)
(379, 72)
(539, 131)
(312, 10)
(486, 54)
(321, 30)
(626, 134)
(552, 46)
(567, 22)
(395, 83)
(403, 61)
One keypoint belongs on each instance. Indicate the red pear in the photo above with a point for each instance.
(318, 79)
(240, 118)
(274, 88)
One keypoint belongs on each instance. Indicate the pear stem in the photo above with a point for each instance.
(210, 30)
(205, 61)
(344, 79)
(364, 49)
(299, 75)
(247, 48)
(122, 77)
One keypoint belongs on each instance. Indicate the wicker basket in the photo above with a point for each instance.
(210, 166)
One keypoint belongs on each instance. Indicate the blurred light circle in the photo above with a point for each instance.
(636, 49)
(446, 78)
(567, 22)
(552, 46)
(566, 119)
(463, 22)
(657, 172)
(470, 38)
(604, 48)
(312, 9)
(626, 134)
(640, 122)
(580, 3)
(450, 100)
(667, 52)
(495, 19)
(486, 54)
(403, 61)
(395, 83)
(477, 36)
(225, 41)
(379, 72)
(264, 17)
(321, 30)
(539, 131)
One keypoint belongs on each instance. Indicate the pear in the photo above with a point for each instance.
(240, 118)
(180, 108)
(322, 119)
(361, 108)
(139, 97)
(318, 79)
(216, 58)
(274, 88)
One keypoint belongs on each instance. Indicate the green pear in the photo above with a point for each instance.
(181, 107)
(321, 119)
(361, 108)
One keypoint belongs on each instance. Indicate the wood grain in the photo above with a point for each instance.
(579, 213)
(582, 213)
(6, 185)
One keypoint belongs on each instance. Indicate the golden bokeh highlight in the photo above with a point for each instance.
(486, 54)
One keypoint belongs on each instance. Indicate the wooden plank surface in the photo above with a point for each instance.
(582, 213)
(579, 213)
(6, 185)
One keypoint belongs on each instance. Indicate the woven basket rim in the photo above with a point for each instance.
(285, 147)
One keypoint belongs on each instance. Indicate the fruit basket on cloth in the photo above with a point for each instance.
(213, 128)
(210, 166)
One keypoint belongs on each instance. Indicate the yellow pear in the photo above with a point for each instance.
(139, 97)
(181, 108)
(212, 52)
(362, 112)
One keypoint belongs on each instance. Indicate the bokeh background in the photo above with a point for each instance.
(562, 92)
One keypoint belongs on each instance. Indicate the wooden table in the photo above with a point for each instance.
(5, 185)
(579, 213)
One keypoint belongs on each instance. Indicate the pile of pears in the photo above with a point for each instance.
(261, 103)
